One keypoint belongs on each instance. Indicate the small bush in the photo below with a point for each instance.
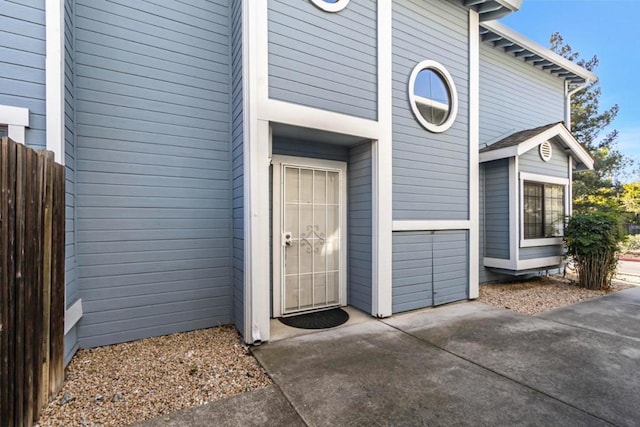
(631, 243)
(592, 239)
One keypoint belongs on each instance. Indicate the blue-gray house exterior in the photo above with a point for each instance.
(177, 122)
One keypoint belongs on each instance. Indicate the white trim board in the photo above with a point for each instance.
(474, 164)
(315, 118)
(54, 78)
(256, 152)
(522, 264)
(431, 225)
(72, 315)
(17, 120)
(382, 173)
(546, 179)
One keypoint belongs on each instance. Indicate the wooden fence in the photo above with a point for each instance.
(32, 257)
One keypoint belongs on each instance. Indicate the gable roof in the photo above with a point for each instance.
(520, 142)
(518, 46)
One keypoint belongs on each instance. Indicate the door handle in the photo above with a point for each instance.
(286, 238)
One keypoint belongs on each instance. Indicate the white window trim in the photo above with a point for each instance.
(413, 98)
(17, 120)
(278, 262)
(330, 7)
(541, 179)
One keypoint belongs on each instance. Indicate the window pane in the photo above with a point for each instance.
(543, 210)
(3, 131)
(554, 210)
(533, 218)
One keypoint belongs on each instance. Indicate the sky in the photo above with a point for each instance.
(609, 29)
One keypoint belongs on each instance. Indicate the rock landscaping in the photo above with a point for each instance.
(541, 294)
(125, 383)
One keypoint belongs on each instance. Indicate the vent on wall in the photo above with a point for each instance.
(546, 151)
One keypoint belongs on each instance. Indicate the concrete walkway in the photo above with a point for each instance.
(461, 364)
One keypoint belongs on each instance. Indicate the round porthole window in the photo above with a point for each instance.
(331, 5)
(433, 96)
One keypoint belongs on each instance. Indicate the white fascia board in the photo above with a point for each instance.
(561, 131)
(54, 78)
(513, 5)
(502, 153)
(558, 130)
(431, 225)
(315, 118)
(538, 49)
(14, 116)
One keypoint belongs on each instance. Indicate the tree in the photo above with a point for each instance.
(599, 189)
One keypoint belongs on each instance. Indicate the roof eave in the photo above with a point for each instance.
(540, 54)
(492, 9)
(579, 154)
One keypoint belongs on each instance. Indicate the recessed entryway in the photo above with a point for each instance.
(309, 229)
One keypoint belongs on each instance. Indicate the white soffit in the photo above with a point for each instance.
(492, 9)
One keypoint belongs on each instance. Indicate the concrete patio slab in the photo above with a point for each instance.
(264, 407)
(592, 371)
(375, 374)
(616, 314)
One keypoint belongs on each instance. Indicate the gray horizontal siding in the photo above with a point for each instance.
(557, 166)
(496, 208)
(153, 170)
(450, 266)
(302, 148)
(429, 268)
(72, 292)
(70, 345)
(324, 60)
(486, 275)
(430, 171)
(360, 224)
(515, 95)
(541, 252)
(412, 285)
(23, 49)
(237, 164)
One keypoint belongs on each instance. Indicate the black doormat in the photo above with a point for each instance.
(318, 320)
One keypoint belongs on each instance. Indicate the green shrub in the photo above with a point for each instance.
(631, 243)
(592, 239)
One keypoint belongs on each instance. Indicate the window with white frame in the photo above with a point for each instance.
(543, 210)
(4, 131)
(433, 96)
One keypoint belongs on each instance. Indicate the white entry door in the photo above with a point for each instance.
(311, 246)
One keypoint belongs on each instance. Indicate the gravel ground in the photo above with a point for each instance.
(541, 294)
(125, 383)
